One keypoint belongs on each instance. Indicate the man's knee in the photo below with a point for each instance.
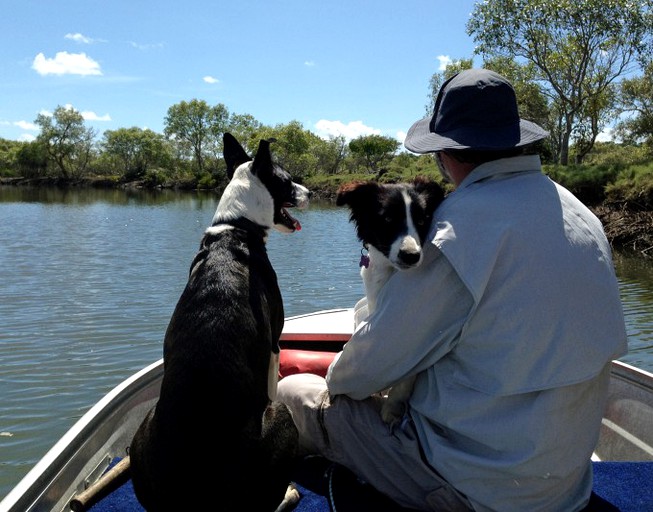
(305, 395)
(300, 390)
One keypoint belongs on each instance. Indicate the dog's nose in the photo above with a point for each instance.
(409, 258)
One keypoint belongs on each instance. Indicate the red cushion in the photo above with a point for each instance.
(304, 361)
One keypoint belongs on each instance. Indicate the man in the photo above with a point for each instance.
(510, 326)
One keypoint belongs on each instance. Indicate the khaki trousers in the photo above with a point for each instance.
(352, 433)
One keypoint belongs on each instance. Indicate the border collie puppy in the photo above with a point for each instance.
(392, 221)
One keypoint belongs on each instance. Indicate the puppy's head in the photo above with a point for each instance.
(394, 219)
(259, 189)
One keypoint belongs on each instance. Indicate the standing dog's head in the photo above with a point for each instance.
(394, 219)
(258, 190)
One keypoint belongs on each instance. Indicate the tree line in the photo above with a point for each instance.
(574, 65)
(188, 151)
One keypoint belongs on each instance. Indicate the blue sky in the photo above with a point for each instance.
(337, 66)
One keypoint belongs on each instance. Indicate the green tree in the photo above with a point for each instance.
(32, 159)
(197, 127)
(578, 47)
(136, 149)
(9, 150)
(246, 129)
(68, 142)
(592, 119)
(374, 150)
(330, 154)
(636, 100)
(292, 148)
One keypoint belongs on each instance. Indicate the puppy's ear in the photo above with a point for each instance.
(356, 192)
(429, 189)
(234, 154)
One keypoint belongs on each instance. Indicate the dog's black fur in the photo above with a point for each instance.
(215, 440)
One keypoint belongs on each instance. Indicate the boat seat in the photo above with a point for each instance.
(293, 361)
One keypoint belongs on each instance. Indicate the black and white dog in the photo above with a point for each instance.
(392, 221)
(217, 440)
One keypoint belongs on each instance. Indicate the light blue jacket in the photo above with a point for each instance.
(510, 325)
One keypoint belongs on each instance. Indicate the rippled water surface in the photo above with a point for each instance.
(91, 277)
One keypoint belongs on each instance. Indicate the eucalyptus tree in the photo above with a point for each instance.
(67, 141)
(32, 159)
(578, 47)
(374, 150)
(293, 147)
(135, 149)
(198, 127)
(9, 150)
(636, 101)
(246, 129)
(330, 154)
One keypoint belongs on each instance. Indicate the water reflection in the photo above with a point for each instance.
(636, 284)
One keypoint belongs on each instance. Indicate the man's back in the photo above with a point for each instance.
(517, 402)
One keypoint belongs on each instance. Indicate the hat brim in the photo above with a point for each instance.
(420, 138)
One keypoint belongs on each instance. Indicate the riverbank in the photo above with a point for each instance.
(627, 228)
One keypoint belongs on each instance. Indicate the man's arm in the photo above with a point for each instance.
(417, 321)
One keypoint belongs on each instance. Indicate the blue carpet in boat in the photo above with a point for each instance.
(626, 485)
(618, 487)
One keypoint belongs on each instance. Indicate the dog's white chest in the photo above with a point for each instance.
(374, 276)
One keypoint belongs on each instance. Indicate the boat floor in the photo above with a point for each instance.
(325, 487)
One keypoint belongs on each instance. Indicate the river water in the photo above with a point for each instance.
(91, 277)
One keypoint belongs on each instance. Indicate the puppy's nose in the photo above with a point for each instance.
(409, 258)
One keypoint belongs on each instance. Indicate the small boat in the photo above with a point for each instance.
(73, 475)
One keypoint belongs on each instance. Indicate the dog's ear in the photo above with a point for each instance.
(356, 191)
(234, 154)
(431, 192)
(429, 188)
(263, 158)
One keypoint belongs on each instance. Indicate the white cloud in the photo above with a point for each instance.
(65, 63)
(146, 46)
(210, 80)
(350, 130)
(92, 116)
(444, 61)
(24, 125)
(79, 38)
(309, 63)
(607, 135)
(400, 136)
(86, 114)
(27, 137)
